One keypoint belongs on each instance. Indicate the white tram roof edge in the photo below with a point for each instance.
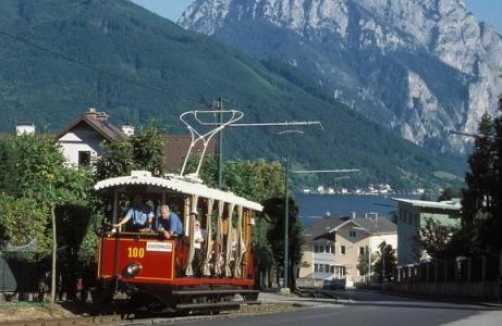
(176, 184)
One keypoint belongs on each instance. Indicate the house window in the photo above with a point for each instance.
(332, 249)
(342, 250)
(332, 269)
(362, 250)
(316, 248)
(352, 234)
(84, 158)
(316, 268)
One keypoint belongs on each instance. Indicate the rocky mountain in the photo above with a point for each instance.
(418, 67)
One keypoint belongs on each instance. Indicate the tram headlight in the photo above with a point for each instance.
(132, 269)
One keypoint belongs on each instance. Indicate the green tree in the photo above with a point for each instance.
(385, 264)
(34, 174)
(255, 180)
(35, 165)
(363, 263)
(141, 152)
(274, 209)
(476, 201)
(448, 193)
(22, 220)
(434, 237)
(491, 226)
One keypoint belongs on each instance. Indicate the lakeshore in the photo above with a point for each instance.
(315, 206)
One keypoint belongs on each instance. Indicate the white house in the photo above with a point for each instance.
(333, 245)
(80, 140)
(411, 217)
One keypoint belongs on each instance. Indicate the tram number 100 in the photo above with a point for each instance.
(135, 252)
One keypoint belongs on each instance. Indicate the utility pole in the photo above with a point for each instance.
(220, 145)
(286, 213)
(286, 224)
(286, 195)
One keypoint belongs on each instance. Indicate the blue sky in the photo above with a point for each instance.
(489, 11)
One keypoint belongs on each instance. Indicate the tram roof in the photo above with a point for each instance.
(177, 184)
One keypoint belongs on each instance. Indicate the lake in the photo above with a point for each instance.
(314, 206)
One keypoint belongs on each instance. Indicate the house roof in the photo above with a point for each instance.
(322, 227)
(327, 227)
(451, 205)
(97, 121)
(176, 148)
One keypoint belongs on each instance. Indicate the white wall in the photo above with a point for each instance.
(81, 138)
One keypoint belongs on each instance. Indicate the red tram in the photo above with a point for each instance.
(160, 274)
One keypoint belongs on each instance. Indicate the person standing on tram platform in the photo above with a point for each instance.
(140, 214)
(169, 224)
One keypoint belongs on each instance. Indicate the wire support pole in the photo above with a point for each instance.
(286, 225)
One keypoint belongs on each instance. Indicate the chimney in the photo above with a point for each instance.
(102, 117)
(128, 130)
(25, 129)
(91, 113)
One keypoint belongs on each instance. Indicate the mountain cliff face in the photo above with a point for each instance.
(418, 67)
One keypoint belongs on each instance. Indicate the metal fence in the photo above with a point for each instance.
(476, 277)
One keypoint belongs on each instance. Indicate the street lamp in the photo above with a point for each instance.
(286, 210)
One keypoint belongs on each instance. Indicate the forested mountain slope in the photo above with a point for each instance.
(60, 58)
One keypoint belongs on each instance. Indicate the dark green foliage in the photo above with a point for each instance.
(60, 58)
(274, 209)
(475, 200)
(23, 220)
(141, 152)
(448, 193)
(363, 263)
(482, 197)
(434, 237)
(34, 179)
(255, 180)
(385, 265)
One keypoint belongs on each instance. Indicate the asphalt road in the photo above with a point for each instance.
(356, 308)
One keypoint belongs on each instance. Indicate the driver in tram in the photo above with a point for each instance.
(140, 214)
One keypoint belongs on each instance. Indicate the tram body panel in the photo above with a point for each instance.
(155, 259)
(159, 273)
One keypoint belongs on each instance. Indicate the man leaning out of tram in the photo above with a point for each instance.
(140, 215)
(170, 225)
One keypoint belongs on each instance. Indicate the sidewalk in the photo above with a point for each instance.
(275, 296)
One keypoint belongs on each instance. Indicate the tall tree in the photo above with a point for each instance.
(476, 197)
(385, 265)
(491, 227)
(274, 208)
